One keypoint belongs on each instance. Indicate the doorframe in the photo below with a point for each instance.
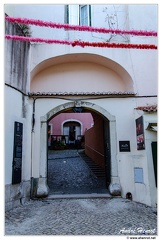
(42, 188)
(72, 120)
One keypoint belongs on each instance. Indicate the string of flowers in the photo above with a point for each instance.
(81, 43)
(79, 28)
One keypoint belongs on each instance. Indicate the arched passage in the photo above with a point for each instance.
(110, 150)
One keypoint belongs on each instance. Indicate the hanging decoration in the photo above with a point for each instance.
(79, 28)
(81, 43)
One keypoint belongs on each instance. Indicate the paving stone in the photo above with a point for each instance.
(84, 216)
(68, 173)
(99, 216)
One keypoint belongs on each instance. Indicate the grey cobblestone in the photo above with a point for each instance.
(68, 173)
(91, 216)
(94, 216)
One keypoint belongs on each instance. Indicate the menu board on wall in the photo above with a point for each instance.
(17, 153)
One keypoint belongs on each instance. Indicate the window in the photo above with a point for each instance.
(78, 14)
(85, 15)
(66, 13)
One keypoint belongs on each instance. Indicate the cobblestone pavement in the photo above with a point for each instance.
(68, 173)
(94, 216)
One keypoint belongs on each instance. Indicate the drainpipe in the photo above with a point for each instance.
(32, 194)
(33, 115)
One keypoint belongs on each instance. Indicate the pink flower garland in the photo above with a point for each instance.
(81, 43)
(79, 28)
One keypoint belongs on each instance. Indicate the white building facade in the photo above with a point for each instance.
(119, 84)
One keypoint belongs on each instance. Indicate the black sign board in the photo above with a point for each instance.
(17, 153)
(124, 146)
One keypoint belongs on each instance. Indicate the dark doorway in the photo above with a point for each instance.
(107, 151)
(72, 133)
(154, 155)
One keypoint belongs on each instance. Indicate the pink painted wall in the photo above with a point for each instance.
(85, 118)
(94, 141)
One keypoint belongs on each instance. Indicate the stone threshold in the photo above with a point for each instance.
(79, 196)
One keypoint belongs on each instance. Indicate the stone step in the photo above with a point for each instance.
(96, 169)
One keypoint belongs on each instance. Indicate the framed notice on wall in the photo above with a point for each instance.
(140, 133)
(124, 146)
(17, 153)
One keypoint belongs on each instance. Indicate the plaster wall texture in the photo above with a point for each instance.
(16, 107)
(17, 104)
(16, 61)
(69, 77)
(18, 110)
(146, 191)
(135, 62)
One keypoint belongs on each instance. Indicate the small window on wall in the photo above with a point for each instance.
(85, 15)
(66, 13)
(78, 15)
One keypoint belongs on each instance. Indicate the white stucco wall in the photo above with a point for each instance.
(45, 12)
(145, 192)
(116, 16)
(13, 112)
(141, 65)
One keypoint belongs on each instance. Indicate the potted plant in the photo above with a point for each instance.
(60, 145)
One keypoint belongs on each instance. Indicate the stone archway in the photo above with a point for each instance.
(114, 187)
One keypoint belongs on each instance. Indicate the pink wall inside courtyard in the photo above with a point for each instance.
(85, 119)
(94, 141)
